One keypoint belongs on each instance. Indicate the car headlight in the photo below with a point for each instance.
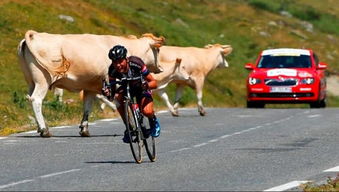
(307, 81)
(253, 81)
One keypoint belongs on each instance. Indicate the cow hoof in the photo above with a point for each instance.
(45, 133)
(202, 112)
(175, 114)
(84, 133)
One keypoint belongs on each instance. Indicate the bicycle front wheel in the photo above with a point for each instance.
(133, 132)
(150, 148)
(149, 142)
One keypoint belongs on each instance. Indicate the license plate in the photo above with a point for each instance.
(281, 90)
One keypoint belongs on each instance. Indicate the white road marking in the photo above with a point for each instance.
(30, 131)
(224, 136)
(159, 112)
(333, 169)
(199, 145)
(187, 109)
(182, 149)
(58, 173)
(236, 133)
(61, 127)
(286, 186)
(3, 138)
(213, 140)
(104, 120)
(312, 116)
(15, 183)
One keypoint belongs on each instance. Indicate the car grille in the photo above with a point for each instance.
(281, 82)
(281, 95)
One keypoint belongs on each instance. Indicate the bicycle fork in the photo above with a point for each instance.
(138, 118)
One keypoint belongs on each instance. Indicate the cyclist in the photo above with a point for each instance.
(132, 66)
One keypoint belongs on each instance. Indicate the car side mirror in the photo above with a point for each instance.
(249, 66)
(322, 65)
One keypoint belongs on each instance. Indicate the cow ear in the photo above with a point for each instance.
(225, 46)
(227, 50)
(156, 45)
(160, 39)
(208, 46)
(132, 37)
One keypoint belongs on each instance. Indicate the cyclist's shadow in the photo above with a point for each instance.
(110, 162)
(69, 136)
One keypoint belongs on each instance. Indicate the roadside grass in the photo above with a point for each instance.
(325, 22)
(183, 23)
(332, 184)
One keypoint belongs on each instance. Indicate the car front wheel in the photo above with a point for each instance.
(253, 104)
(318, 104)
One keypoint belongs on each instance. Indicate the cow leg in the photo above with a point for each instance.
(164, 96)
(88, 101)
(106, 102)
(199, 84)
(178, 95)
(58, 93)
(37, 94)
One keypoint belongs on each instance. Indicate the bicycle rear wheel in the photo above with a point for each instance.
(134, 134)
(149, 142)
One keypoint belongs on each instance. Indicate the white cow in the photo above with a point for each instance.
(198, 63)
(74, 62)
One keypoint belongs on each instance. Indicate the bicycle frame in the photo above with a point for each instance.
(136, 134)
(134, 105)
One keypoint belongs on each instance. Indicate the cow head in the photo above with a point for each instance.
(179, 72)
(222, 52)
(152, 54)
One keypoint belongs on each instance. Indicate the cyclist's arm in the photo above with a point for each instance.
(152, 83)
(112, 82)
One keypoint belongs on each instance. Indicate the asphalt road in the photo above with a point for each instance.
(230, 149)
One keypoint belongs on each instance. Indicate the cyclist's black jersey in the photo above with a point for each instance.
(136, 68)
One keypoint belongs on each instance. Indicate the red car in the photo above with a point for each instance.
(286, 76)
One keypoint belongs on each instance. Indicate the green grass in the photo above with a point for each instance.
(325, 22)
(182, 23)
(332, 184)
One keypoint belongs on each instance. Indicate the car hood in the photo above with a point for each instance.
(282, 72)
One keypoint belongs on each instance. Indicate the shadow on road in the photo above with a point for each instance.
(67, 136)
(111, 162)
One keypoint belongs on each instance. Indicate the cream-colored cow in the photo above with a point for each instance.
(198, 63)
(75, 62)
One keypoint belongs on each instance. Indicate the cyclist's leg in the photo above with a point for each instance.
(146, 105)
(120, 107)
(120, 98)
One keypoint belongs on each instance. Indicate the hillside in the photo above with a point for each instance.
(248, 25)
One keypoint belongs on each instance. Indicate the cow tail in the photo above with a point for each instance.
(23, 63)
(29, 37)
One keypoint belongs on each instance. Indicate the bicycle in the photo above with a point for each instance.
(138, 130)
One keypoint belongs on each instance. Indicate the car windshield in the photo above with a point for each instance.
(270, 61)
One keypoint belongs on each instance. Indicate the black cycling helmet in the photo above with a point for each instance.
(117, 52)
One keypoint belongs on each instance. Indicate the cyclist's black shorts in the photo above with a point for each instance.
(138, 93)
